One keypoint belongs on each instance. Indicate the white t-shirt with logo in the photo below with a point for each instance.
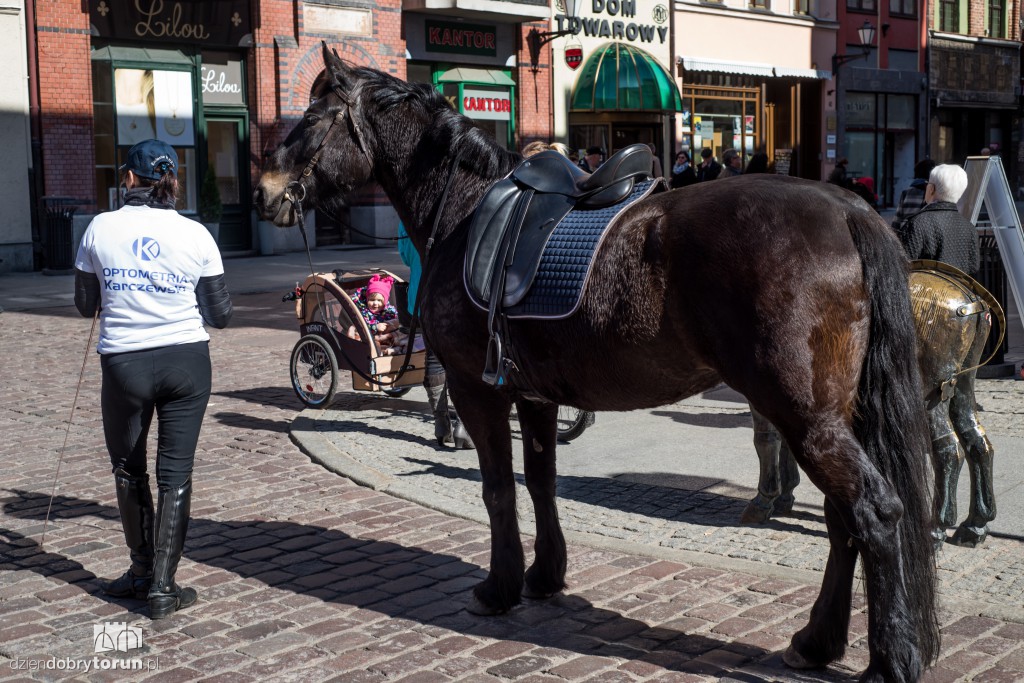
(148, 262)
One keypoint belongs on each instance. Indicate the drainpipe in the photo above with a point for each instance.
(37, 186)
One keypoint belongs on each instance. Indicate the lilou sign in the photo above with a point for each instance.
(213, 22)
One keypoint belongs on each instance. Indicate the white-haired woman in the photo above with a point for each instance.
(939, 231)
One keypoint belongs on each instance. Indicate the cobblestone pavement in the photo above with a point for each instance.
(305, 575)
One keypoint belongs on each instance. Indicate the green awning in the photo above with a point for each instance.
(620, 77)
(464, 74)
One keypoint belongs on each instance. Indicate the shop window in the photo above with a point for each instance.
(861, 5)
(900, 112)
(760, 4)
(903, 8)
(996, 19)
(949, 16)
(801, 6)
(135, 100)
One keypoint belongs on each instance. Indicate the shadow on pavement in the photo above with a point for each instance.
(406, 583)
(626, 492)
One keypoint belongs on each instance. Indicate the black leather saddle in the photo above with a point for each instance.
(514, 222)
(517, 215)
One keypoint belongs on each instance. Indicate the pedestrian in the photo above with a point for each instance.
(162, 280)
(939, 231)
(448, 428)
(758, 164)
(732, 164)
(912, 198)
(709, 168)
(656, 170)
(682, 172)
(592, 159)
(838, 174)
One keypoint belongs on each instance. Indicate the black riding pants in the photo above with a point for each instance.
(172, 381)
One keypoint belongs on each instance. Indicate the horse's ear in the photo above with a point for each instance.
(339, 72)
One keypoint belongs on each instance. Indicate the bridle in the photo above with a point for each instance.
(295, 191)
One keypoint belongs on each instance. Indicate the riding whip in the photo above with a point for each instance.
(74, 404)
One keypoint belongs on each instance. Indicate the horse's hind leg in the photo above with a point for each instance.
(823, 639)
(863, 516)
(778, 473)
(979, 453)
(485, 414)
(546, 576)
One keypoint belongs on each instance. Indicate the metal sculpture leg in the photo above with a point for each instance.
(947, 459)
(778, 473)
(978, 450)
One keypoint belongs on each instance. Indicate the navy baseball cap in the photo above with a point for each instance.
(151, 159)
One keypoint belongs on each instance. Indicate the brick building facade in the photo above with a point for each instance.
(224, 80)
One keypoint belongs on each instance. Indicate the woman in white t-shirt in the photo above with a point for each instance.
(154, 277)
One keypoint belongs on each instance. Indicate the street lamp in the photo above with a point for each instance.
(536, 39)
(866, 33)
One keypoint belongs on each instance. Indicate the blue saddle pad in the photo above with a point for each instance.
(565, 264)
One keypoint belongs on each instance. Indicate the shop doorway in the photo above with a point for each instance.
(225, 155)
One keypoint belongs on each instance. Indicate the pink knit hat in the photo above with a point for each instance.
(379, 285)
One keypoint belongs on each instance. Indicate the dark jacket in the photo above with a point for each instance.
(687, 177)
(709, 172)
(940, 232)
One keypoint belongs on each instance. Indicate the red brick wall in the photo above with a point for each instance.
(533, 96)
(65, 99)
(287, 56)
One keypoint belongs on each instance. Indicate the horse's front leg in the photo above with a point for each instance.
(485, 413)
(978, 450)
(546, 576)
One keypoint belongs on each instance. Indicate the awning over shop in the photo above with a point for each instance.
(751, 69)
(620, 77)
(464, 74)
(819, 74)
(727, 67)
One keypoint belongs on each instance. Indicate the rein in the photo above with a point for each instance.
(295, 192)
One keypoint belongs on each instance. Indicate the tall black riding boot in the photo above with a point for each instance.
(135, 503)
(437, 394)
(165, 596)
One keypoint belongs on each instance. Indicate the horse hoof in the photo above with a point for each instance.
(968, 536)
(795, 660)
(532, 594)
(478, 608)
(754, 513)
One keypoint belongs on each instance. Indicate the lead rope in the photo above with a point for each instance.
(74, 404)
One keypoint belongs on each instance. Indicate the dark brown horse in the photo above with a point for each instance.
(792, 292)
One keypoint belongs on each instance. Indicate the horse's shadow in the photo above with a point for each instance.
(407, 583)
(689, 502)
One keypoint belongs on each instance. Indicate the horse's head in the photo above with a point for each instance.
(325, 155)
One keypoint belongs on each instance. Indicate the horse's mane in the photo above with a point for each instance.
(480, 152)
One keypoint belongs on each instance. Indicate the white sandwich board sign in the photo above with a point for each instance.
(987, 185)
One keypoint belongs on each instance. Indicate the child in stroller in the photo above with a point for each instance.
(380, 315)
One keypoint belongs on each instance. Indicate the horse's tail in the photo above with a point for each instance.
(890, 421)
